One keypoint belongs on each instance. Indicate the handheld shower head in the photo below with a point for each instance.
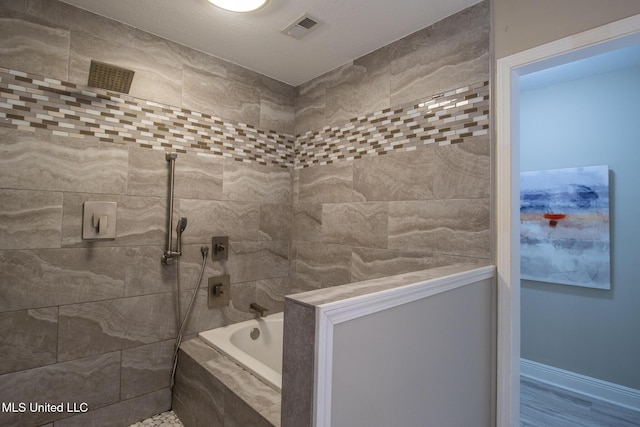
(182, 224)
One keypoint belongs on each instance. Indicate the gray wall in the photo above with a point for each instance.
(590, 121)
(519, 25)
(443, 376)
(95, 322)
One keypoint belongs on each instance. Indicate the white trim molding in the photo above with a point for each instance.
(592, 42)
(331, 314)
(588, 386)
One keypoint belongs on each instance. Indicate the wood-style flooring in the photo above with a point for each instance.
(542, 405)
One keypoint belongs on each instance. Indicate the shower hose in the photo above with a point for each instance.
(204, 250)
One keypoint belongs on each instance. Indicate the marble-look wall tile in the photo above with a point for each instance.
(140, 220)
(261, 397)
(249, 261)
(313, 98)
(203, 62)
(369, 263)
(275, 222)
(374, 81)
(195, 177)
(256, 183)
(462, 170)
(361, 88)
(276, 116)
(340, 94)
(202, 318)
(30, 219)
(73, 18)
(183, 411)
(454, 227)
(276, 106)
(146, 369)
(242, 295)
(144, 274)
(44, 278)
(395, 176)
(93, 380)
(37, 47)
(448, 54)
(28, 338)
(320, 265)
(201, 394)
(238, 220)
(221, 97)
(307, 222)
(237, 413)
(455, 116)
(355, 224)
(298, 364)
(326, 184)
(215, 369)
(309, 106)
(269, 293)
(198, 178)
(295, 184)
(123, 413)
(153, 80)
(191, 264)
(148, 172)
(99, 327)
(40, 161)
(164, 51)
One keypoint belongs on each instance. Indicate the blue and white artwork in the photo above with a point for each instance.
(564, 226)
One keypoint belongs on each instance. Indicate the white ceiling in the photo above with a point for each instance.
(348, 29)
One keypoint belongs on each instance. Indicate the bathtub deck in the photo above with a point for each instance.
(212, 390)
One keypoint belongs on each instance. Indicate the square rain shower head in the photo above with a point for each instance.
(110, 77)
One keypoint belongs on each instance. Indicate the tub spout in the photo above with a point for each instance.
(259, 309)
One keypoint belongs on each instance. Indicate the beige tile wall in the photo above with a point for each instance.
(94, 321)
(449, 54)
(57, 40)
(389, 214)
(66, 303)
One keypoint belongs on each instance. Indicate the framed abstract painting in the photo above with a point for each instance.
(564, 226)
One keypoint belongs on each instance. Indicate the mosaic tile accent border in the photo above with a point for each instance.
(455, 116)
(29, 102)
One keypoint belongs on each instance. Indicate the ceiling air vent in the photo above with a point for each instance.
(301, 26)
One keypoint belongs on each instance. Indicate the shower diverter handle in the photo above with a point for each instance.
(101, 223)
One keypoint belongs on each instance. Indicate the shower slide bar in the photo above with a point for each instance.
(168, 255)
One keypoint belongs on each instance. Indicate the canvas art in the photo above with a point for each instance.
(564, 226)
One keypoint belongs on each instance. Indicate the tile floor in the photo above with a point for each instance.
(165, 419)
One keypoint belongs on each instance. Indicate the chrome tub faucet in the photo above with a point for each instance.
(259, 309)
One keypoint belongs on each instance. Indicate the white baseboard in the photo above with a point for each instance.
(603, 390)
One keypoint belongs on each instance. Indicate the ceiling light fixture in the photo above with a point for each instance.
(239, 5)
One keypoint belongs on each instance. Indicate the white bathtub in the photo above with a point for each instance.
(262, 356)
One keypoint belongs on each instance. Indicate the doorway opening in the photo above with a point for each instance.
(600, 40)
